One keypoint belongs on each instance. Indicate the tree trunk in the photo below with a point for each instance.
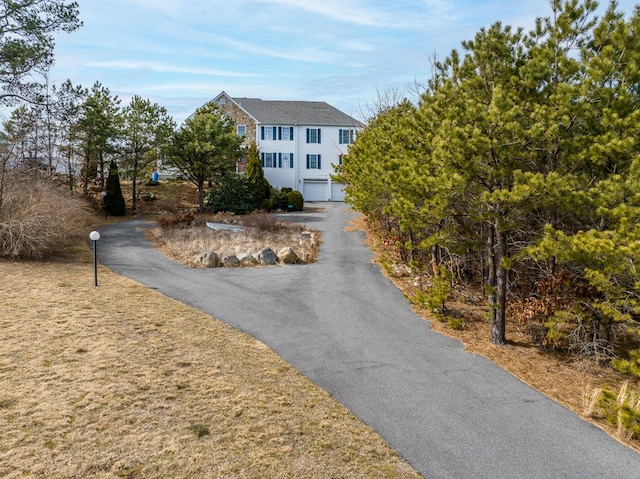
(490, 286)
(201, 197)
(496, 283)
(134, 202)
(498, 327)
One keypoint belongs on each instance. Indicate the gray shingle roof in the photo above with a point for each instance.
(295, 112)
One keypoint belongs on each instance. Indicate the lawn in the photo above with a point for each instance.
(120, 381)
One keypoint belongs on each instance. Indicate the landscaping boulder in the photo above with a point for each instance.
(231, 260)
(210, 259)
(267, 256)
(248, 259)
(288, 256)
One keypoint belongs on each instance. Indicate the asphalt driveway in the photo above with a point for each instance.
(342, 324)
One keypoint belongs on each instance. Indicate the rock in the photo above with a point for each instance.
(231, 260)
(210, 260)
(246, 258)
(267, 256)
(288, 256)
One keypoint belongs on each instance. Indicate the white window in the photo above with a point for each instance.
(285, 160)
(268, 133)
(242, 130)
(286, 133)
(269, 160)
(313, 162)
(313, 135)
(345, 137)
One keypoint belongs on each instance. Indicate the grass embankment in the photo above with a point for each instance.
(120, 381)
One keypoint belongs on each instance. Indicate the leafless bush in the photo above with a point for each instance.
(38, 219)
(177, 220)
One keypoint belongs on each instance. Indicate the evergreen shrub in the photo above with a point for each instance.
(295, 198)
(114, 203)
(232, 194)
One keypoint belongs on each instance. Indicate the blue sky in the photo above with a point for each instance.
(182, 53)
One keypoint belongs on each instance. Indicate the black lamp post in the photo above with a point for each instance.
(95, 236)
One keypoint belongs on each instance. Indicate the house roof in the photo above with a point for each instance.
(295, 112)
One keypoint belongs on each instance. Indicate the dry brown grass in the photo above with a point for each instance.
(119, 381)
(564, 379)
(262, 230)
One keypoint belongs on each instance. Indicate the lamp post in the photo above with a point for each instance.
(104, 207)
(95, 236)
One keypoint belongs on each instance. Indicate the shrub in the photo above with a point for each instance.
(622, 410)
(279, 200)
(255, 174)
(439, 291)
(38, 219)
(177, 220)
(232, 194)
(114, 203)
(262, 222)
(629, 366)
(295, 198)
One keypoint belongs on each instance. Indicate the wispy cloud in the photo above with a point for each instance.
(309, 54)
(354, 12)
(166, 68)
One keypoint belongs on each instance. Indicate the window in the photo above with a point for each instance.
(269, 160)
(345, 137)
(313, 135)
(242, 130)
(285, 160)
(285, 133)
(268, 133)
(313, 162)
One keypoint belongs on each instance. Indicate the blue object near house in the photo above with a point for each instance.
(154, 177)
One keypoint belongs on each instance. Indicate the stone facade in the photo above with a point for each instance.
(241, 118)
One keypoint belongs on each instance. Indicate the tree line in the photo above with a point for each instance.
(517, 170)
(80, 132)
(83, 137)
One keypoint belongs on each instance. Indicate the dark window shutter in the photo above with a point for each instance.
(319, 136)
(319, 166)
(307, 162)
(307, 135)
(291, 133)
(290, 160)
(279, 133)
(340, 137)
(279, 160)
(262, 158)
(262, 132)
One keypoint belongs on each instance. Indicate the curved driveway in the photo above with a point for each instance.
(341, 323)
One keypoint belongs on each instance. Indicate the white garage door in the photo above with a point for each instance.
(337, 192)
(315, 189)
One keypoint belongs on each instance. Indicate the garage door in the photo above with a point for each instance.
(337, 192)
(315, 189)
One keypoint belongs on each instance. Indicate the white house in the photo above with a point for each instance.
(299, 141)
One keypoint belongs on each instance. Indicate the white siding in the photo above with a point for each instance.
(329, 149)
